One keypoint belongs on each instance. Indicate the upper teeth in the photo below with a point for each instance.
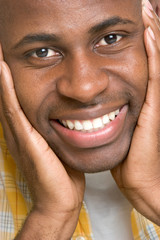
(88, 125)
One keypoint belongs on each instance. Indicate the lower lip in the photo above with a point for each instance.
(98, 138)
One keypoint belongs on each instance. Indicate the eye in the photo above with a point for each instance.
(109, 39)
(44, 53)
(43, 57)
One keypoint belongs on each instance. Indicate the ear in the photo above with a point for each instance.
(156, 6)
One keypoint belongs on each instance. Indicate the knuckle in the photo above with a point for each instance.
(11, 113)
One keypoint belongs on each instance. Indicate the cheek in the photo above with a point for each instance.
(141, 80)
(136, 68)
(29, 92)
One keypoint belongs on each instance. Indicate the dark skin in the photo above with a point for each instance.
(69, 85)
(64, 86)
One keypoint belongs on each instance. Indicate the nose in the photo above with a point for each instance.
(83, 79)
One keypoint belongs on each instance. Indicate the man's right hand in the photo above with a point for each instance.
(57, 191)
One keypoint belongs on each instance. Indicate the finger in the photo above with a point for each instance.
(9, 103)
(151, 19)
(152, 43)
(40, 156)
(6, 129)
(157, 19)
(153, 53)
(149, 117)
(19, 125)
(147, 131)
(7, 132)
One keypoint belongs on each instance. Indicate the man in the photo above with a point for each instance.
(82, 96)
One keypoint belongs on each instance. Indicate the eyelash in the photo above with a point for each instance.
(115, 38)
(43, 51)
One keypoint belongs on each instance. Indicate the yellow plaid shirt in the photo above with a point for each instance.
(15, 204)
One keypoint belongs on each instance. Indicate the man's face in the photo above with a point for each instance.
(74, 62)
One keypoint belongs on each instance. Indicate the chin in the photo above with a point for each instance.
(94, 160)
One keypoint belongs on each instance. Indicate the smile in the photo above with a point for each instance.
(90, 125)
(94, 132)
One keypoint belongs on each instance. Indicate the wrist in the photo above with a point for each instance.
(47, 226)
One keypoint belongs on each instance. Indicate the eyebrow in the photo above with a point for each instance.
(45, 37)
(41, 37)
(113, 21)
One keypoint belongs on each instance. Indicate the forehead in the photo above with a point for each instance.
(68, 7)
(21, 17)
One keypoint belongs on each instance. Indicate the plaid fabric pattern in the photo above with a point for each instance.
(143, 229)
(16, 203)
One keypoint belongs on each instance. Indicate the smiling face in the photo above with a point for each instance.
(81, 64)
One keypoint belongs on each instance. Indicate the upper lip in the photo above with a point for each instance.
(90, 112)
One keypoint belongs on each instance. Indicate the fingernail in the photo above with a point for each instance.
(148, 11)
(151, 33)
(147, 4)
(147, 8)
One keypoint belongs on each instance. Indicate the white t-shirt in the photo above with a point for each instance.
(109, 211)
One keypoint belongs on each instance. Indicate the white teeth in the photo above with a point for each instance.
(97, 123)
(64, 123)
(78, 126)
(70, 124)
(87, 125)
(117, 112)
(90, 125)
(105, 119)
(112, 116)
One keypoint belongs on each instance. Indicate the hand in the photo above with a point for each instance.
(57, 191)
(138, 176)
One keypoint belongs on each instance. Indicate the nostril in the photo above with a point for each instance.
(82, 82)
